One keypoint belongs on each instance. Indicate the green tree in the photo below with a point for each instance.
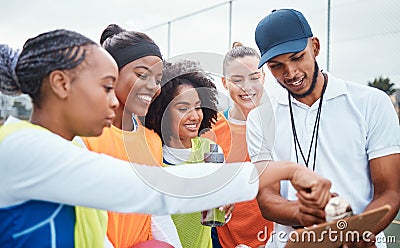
(383, 84)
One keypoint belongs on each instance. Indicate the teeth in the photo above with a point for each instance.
(297, 83)
(145, 98)
(246, 96)
(191, 125)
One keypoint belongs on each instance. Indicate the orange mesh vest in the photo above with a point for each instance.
(142, 147)
(247, 225)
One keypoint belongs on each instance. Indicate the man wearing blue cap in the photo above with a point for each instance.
(346, 132)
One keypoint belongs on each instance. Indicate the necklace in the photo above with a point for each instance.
(315, 129)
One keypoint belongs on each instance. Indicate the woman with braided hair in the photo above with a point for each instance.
(44, 175)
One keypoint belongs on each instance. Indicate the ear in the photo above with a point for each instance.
(262, 76)
(60, 83)
(315, 46)
(223, 79)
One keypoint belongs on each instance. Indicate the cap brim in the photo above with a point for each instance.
(292, 46)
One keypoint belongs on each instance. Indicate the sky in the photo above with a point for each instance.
(364, 34)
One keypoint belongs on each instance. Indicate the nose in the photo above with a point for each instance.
(114, 103)
(194, 115)
(290, 71)
(246, 87)
(153, 84)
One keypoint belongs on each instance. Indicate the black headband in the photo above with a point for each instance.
(133, 52)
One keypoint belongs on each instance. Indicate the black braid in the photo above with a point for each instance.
(54, 50)
(8, 79)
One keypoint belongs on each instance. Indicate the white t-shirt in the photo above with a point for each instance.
(37, 164)
(358, 123)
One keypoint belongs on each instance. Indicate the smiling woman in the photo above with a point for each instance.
(140, 70)
(185, 107)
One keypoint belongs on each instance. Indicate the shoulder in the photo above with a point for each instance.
(221, 119)
(221, 123)
(108, 135)
(152, 137)
(14, 128)
(370, 98)
(363, 97)
(264, 112)
(203, 141)
(360, 92)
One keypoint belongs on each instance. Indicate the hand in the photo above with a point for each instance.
(310, 216)
(228, 211)
(312, 189)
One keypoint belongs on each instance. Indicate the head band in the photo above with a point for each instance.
(133, 52)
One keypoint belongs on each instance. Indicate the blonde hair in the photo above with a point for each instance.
(238, 51)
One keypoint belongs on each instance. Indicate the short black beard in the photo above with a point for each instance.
(312, 87)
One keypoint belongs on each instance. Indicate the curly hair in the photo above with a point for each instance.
(184, 72)
(55, 50)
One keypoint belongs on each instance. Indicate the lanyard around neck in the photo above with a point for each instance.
(315, 130)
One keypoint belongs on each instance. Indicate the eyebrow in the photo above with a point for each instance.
(186, 103)
(236, 76)
(111, 77)
(256, 72)
(251, 74)
(147, 69)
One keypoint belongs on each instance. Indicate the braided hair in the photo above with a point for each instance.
(9, 83)
(183, 72)
(55, 50)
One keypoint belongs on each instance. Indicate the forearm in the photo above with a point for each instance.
(271, 172)
(390, 198)
(88, 179)
(386, 180)
(278, 209)
(273, 206)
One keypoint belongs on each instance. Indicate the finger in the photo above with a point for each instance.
(311, 200)
(309, 220)
(227, 208)
(228, 217)
(334, 194)
(318, 197)
(230, 209)
(319, 213)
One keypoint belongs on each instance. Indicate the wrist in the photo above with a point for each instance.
(297, 217)
(293, 169)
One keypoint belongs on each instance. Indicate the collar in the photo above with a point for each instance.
(335, 88)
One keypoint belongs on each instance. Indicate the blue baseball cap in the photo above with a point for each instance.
(282, 31)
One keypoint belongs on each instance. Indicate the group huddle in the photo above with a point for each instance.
(148, 124)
